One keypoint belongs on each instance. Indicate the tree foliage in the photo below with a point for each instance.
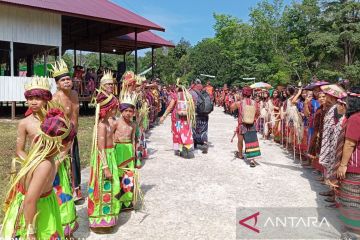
(280, 45)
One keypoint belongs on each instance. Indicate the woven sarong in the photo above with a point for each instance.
(348, 198)
(252, 148)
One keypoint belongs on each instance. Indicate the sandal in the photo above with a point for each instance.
(252, 163)
(237, 155)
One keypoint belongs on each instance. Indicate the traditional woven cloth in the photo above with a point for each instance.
(348, 198)
(200, 132)
(252, 148)
(329, 142)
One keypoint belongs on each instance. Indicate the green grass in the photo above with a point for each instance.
(7, 149)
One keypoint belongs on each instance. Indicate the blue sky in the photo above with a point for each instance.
(191, 19)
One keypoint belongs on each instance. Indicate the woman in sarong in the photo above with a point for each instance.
(349, 168)
(315, 142)
(275, 116)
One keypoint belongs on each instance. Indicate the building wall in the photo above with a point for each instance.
(25, 25)
(12, 88)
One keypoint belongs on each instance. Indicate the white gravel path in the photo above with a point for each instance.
(197, 198)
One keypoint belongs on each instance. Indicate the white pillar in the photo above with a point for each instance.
(12, 58)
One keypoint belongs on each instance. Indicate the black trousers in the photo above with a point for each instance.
(75, 164)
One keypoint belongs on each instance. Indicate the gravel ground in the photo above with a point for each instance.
(198, 198)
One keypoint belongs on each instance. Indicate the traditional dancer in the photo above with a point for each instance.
(68, 162)
(124, 140)
(107, 83)
(37, 94)
(32, 211)
(246, 129)
(182, 111)
(70, 100)
(104, 183)
(204, 106)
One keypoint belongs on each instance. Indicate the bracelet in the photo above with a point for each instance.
(30, 230)
(342, 165)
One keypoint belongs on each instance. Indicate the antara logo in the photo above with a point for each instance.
(254, 216)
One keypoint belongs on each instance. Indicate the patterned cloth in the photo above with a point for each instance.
(64, 193)
(348, 198)
(252, 148)
(181, 130)
(103, 202)
(329, 141)
(200, 132)
(125, 157)
(315, 143)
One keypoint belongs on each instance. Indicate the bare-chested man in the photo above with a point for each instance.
(70, 101)
(124, 139)
(37, 94)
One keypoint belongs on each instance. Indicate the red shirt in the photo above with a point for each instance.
(353, 133)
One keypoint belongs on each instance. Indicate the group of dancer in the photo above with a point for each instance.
(45, 179)
(320, 124)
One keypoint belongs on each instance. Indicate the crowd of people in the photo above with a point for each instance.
(318, 123)
(46, 176)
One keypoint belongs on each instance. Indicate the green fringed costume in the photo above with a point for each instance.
(63, 191)
(125, 157)
(48, 222)
(103, 200)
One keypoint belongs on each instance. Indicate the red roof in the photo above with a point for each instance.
(147, 38)
(100, 10)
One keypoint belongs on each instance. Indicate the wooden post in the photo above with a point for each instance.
(136, 53)
(12, 58)
(75, 54)
(13, 104)
(45, 64)
(152, 63)
(100, 59)
(13, 107)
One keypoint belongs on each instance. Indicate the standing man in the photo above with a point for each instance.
(70, 101)
(204, 105)
(246, 130)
